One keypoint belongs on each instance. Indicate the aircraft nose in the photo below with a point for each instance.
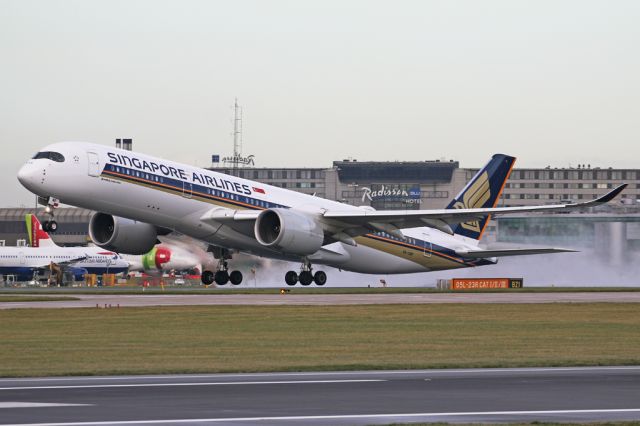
(28, 176)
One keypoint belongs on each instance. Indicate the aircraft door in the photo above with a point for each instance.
(94, 164)
(22, 258)
(427, 246)
(187, 189)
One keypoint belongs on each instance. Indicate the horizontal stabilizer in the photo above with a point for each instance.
(510, 252)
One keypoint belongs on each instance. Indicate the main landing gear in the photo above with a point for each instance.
(306, 276)
(49, 225)
(222, 275)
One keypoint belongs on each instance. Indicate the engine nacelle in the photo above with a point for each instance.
(289, 231)
(122, 235)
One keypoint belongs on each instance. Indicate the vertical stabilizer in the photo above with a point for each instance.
(482, 191)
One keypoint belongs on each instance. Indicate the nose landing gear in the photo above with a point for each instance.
(49, 225)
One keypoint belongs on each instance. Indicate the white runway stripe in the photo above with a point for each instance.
(9, 404)
(144, 385)
(323, 373)
(341, 417)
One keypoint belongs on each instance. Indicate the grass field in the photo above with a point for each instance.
(630, 423)
(296, 338)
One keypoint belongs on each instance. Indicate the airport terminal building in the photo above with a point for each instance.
(431, 184)
(408, 185)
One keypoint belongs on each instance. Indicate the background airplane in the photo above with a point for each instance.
(162, 258)
(46, 257)
(140, 197)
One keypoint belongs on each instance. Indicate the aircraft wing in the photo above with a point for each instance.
(344, 225)
(510, 252)
(353, 223)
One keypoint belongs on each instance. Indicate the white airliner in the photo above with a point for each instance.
(44, 255)
(162, 258)
(139, 197)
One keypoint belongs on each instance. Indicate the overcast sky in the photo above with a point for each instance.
(551, 82)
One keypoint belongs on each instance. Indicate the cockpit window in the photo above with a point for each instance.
(54, 156)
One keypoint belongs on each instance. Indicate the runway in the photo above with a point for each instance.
(91, 301)
(347, 398)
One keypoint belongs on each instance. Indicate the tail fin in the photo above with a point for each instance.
(482, 191)
(37, 237)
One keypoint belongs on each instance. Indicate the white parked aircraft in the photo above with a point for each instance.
(162, 258)
(139, 197)
(44, 255)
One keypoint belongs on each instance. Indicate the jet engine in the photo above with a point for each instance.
(289, 231)
(122, 235)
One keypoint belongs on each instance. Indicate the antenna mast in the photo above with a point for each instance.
(237, 136)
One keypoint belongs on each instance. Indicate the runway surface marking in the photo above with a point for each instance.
(343, 417)
(9, 404)
(143, 385)
(324, 373)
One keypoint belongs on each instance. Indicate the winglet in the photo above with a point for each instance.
(611, 195)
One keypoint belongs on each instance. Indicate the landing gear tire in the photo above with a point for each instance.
(207, 277)
(235, 277)
(306, 278)
(320, 278)
(222, 277)
(50, 226)
(291, 278)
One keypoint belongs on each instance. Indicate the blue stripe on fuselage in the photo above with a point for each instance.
(423, 245)
(191, 189)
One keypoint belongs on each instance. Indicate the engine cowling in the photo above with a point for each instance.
(122, 235)
(289, 231)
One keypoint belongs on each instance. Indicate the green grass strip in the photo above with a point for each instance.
(309, 338)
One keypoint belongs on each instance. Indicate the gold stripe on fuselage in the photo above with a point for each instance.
(430, 259)
(211, 199)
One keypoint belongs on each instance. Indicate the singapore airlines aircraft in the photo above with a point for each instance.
(139, 197)
(44, 255)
